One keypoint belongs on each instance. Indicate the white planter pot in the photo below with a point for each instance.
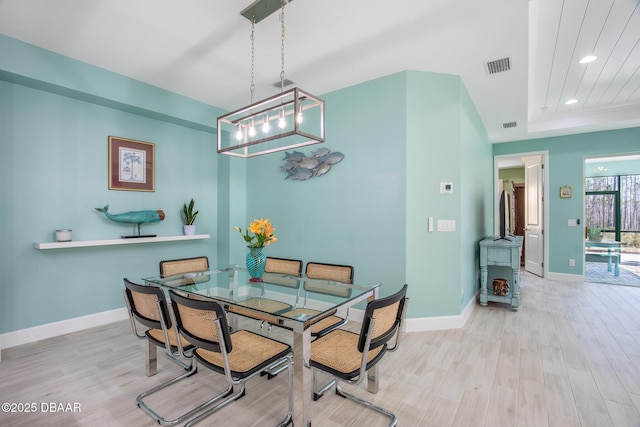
(189, 230)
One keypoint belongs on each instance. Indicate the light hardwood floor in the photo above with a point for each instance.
(569, 357)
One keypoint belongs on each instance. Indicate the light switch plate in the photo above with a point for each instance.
(447, 225)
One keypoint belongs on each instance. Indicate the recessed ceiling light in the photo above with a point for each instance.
(571, 101)
(587, 59)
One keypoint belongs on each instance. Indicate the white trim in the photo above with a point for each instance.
(442, 322)
(428, 323)
(563, 277)
(50, 330)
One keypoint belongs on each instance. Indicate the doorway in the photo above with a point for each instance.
(523, 176)
(519, 207)
(612, 214)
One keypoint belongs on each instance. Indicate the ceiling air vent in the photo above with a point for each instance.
(287, 82)
(509, 125)
(498, 66)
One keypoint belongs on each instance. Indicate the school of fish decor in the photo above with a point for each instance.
(135, 217)
(299, 167)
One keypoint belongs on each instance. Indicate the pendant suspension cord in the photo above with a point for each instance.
(253, 29)
(283, 3)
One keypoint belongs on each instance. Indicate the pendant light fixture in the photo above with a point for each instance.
(291, 119)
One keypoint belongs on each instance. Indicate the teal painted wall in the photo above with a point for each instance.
(631, 166)
(370, 211)
(53, 173)
(433, 153)
(566, 165)
(354, 214)
(31, 66)
(446, 142)
(476, 210)
(512, 174)
(401, 136)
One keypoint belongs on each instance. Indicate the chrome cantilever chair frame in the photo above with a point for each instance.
(321, 271)
(163, 322)
(173, 353)
(336, 272)
(208, 344)
(367, 341)
(275, 267)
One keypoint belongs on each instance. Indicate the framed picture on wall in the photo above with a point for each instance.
(565, 192)
(131, 165)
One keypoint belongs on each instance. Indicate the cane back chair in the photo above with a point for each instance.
(348, 356)
(238, 356)
(147, 306)
(331, 272)
(183, 265)
(276, 272)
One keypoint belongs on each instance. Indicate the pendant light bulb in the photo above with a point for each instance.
(266, 127)
(252, 130)
(299, 116)
(239, 134)
(282, 123)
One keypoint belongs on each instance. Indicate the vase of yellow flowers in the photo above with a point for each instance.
(260, 233)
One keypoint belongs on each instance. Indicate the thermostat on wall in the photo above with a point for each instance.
(446, 187)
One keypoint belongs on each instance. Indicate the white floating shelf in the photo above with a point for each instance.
(130, 241)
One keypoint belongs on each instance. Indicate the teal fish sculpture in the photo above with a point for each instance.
(135, 217)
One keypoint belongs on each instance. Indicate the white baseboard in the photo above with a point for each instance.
(563, 277)
(429, 323)
(442, 322)
(50, 330)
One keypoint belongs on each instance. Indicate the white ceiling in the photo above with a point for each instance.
(201, 49)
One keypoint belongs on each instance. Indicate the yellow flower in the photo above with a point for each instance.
(272, 240)
(263, 233)
(255, 227)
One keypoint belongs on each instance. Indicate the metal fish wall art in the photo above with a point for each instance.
(299, 167)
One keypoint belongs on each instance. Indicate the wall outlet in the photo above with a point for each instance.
(572, 262)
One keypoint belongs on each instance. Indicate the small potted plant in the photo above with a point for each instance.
(189, 217)
(595, 234)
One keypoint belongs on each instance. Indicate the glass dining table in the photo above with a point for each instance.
(291, 302)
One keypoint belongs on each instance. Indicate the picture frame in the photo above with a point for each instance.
(131, 165)
(565, 192)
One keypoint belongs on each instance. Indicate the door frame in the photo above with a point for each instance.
(516, 159)
(603, 157)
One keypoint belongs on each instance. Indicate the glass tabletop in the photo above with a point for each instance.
(286, 297)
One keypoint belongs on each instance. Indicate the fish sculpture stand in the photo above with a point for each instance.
(135, 217)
